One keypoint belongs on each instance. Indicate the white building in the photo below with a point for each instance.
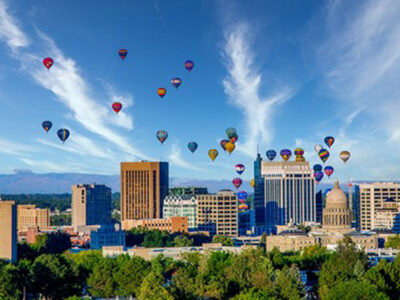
(181, 206)
(388, 216)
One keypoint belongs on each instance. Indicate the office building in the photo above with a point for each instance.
(319, 205)
(259, 201)
(218, 213)
(107, 235)
(91, 205)
(372, 197)
(354, 192)
(30, 216)
(289, 194)
(187, 191)
(182, 206)
(171, 224)
(144, 185)
(8, 230)
(388, 216)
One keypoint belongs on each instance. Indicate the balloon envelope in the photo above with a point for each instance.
(192, 146)
(48, 62)
(298, 152)
(323, 155)
(123, 53)
(345, 155)
(271, 154)
(237, 182)
(318, 175)
(328, 171)
(47, 125)
(329, 140)
(162, 135)
(252, 183)
(318, 148)
(189, 65)
(230, 147)
(231, 132)
(63, 134)
(161, 92)
(286, 154)
(317, 167)
(176, 82)
(223, 143)
(213, 153)
(240, 168)
(234, 139)
(117, 106)
(242, 195)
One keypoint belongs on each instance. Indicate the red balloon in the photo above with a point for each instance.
(237, 182)
(48, 62)
(116, 106)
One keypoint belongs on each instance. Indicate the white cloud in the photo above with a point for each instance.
(49, 166)
(9, 30)
(13, 148)
(243, 86)
(175, 158)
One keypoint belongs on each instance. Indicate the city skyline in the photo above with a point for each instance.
(263, 69)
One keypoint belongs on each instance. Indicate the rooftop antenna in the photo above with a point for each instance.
(258, 151)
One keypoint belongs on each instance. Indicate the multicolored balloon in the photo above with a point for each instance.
(123, 53)
(192, 146)
(237, 182)
(252, 183)
(234, 139)
(161, 92)
(116, 106)
(162, 135)
(285, 154)
(345, 155)
(231, 132)
(298, 152)
(223, 143)
(240, 168)
(47, 125)
(229, 146)
(242, 195)
(329, 140)
(271, 154)
(318, 148)
(329, 171)
(63, 134)
(213, 153)
(323, 155)
(189, 65)
(318, 175)
(176, 82)
(317, 167)
(48, 62)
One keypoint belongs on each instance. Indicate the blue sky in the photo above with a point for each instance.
(283, 73)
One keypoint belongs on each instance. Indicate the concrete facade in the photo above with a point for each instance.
(8, 230)
(182, 206)
(30, 216)
(171, 224)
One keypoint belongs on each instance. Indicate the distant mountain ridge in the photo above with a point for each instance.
(28, 182)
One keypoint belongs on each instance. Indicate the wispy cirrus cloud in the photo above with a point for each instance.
(243, 87)
(13, 148)
(175, 157)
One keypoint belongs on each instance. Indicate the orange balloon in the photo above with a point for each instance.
(213, 153)
(252, 183)
(230, 147)
(161, 92)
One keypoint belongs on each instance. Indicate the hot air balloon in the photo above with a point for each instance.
(213, 153)
(63, 134)
(271, 154)
(223, 143)
(240, 168)
(252, 183)
(286, 154)
(298, 152)
(176, 82)
(318, 175)
(329, 140)
(230, 147)
(123, 53)
(318, 148)
(317, 168)
(192, 146)
(234, 139)
(328, 171)
(48, 62)
(237, 182)
(47, 125)
(116, 106)
(242, 195)
(189, 65)
(345, 155)
(161, 92)
(162, 135)
(323, 155)
(231, 132)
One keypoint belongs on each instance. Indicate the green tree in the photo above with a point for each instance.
(222, 239)
(355, 290)
(52, 243)
(393, 242)
(85, 261)
(182, 241)
(152, 288)
(24, 277)
(254, 294)
(101, 281)
(8, 283)
(156, 238)
(288, 283)
(55, 277)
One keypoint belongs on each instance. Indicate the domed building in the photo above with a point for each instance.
(336, 216)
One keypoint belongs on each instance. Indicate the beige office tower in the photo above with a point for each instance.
(371, 197)
(218, 213)
(144, 185)
(91, 205)
(30, 216)
(8, 230)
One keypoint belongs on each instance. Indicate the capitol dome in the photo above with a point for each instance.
(336, 197)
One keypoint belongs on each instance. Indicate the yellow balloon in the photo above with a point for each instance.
(230, 147)
(213, 153)
(252, 183)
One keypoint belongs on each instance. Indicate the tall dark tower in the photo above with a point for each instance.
(259, 203)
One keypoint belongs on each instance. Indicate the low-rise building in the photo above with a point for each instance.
(388, 216)
(181, 206)
(30, 216)
(107, 235)
(171, 224)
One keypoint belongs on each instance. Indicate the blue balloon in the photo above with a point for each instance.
(47, 125)
(242, 195)
(192, 146)
(317, 167)
(271, 154)
(63, 134)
